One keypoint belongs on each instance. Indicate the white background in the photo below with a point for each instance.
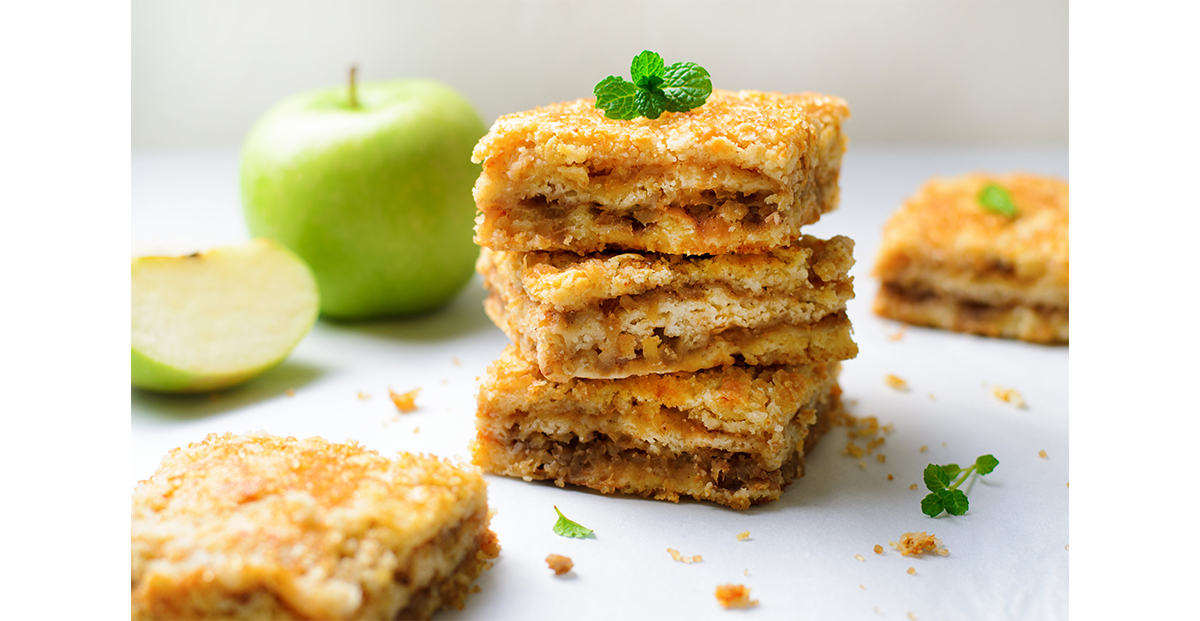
(943, 72)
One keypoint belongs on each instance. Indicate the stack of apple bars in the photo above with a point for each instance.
(674, 332)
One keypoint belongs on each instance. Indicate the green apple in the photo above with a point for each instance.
(371, 186)
(212, 320)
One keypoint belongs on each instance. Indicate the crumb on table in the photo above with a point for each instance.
(896, 382)
(878, 549)
(1009, 395)
(683, 559)
(735, 596)
(1042, 454)
(744, 535)
(405, 402)
(559, 563)
(915, 544)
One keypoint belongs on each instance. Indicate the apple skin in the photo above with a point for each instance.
(376, 199)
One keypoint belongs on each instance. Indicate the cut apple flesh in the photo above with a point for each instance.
(212, 320)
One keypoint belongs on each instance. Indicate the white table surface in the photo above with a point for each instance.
(1008, 555)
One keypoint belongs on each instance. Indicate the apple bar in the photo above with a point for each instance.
(734, 435)
(612, 315)
(265, 527)
(742, 173)
(947, 262)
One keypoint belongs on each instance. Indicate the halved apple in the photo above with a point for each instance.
(212, 320)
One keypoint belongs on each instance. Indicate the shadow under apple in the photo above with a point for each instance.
(272, 384)
(464, 315)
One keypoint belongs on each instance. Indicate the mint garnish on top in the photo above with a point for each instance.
(655, 89)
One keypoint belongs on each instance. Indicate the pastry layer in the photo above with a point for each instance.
(742, 173)
(257, 526)
(947, 262)
(735, 435)
(614, 315)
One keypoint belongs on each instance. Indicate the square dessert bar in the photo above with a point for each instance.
(263, 527)
(612, 315)
(733, 435)
(947, 262)
(742, 173)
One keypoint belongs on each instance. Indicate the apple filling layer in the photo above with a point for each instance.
(923, 306)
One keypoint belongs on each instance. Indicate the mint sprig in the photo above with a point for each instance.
(655, 89)
(943, 482)
(567, 528)
(994, 198)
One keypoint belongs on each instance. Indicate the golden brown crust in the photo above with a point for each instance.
(257, 526)
(947, 262)
(735, 435)
(615, 315)
(741, 173)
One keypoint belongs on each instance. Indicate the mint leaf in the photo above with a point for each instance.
(686, 86)
(655, 89)
(567, 528)
(996, 199)
(651, 104)
(616, 97)
(952, 470)
(986, 463)
(936, 477)
(647, 70)
(932, 505)
(955, 501)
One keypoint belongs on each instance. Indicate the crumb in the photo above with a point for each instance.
(943, 445)
(746, 572)
(853, 449)
(456, 361)
(931, 396)
(924, 448)
(877, 610)
(862, 464)
(1068, 484)
(1067, 547)
(291, 392)
(416, 429)
(1009, 395)
(878, 549)
(911, 615)
(912, 571)
(445, 381)
(888, 428)
(899, 334)
(880, 458)
(859, 557)
(744, 535)
(915, 544)
(896, 382)
(891, 478)
(735, 596)
(863, 587)
(560, 564)
(913, 487)
(1042, 454)
(405, 402)
(362, 396)
(684, 559)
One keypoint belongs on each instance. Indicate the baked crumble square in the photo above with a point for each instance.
(947, 262)
(263, 527)
(733, 435)
(611, 315)
(742, 173)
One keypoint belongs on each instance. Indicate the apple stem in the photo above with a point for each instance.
(353, 87)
